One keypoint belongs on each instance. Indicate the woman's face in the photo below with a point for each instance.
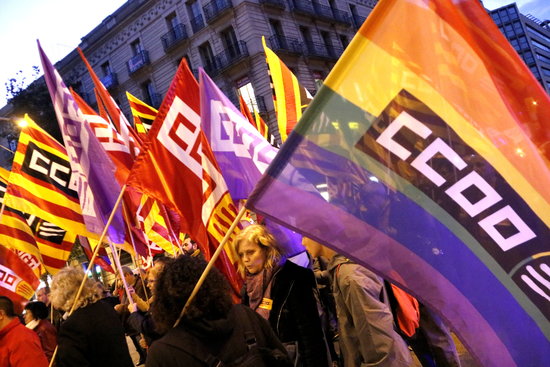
(28, 316)
(252, 256)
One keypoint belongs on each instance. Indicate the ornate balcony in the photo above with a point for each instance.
(342, 17)
(215, 9)
(304, 7)
(280, 4)
(232, 54)
(138, 61)
(285, 44)
(322, 51)
(197, 23)
(174, 36)
(110, 80)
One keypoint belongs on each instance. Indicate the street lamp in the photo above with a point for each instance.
(21, 122)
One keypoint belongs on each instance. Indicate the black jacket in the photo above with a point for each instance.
(174, 350)
(93, 336)
(294, 315)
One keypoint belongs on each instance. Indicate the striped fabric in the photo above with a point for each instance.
(289, 97)
(143, 114)
(425, 158)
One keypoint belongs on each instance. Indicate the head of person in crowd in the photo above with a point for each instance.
(65, 285)
(129, 275)
(155, 271)
(174, 286)
(256, 249)
(35, 311)
(7, 311)
(43, 295)
(316, 249)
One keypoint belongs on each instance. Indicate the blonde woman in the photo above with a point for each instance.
(93, 334)
(283, 293)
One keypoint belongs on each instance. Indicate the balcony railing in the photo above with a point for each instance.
(286, 44)
(322, 11)
(342, 17)
(303, 7)
(138, 61)
(232, 54)
(322, 51)
(211, 67)
(274, 3)
(197, 23)
(174, 36)
(110, 80)
(216, 8)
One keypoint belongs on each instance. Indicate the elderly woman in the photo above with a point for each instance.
(283, 293)
(92, 335)
(36, 318)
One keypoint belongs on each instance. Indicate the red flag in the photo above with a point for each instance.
(17, 280)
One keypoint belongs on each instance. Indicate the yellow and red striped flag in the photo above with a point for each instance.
(40, 181)
(144, 115)
(255, 120)
(289, 97)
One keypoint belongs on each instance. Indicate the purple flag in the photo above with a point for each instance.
(93, 173)
(242, 152)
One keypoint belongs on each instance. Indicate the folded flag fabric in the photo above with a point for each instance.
(427, 149)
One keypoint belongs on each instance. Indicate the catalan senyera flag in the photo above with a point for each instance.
(175, 169)
(443, 133)
(16, 234)
(93, 173)
(40, 181)
(144, 115)
(17, 281)
(289, 97)
(255, 120)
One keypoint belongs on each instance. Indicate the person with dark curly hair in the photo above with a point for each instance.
(36, 318)
(283, 293)
(210, 322)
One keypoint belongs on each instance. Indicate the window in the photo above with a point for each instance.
(171, 21)
(194, 9)
(230, 43)
(136, 47)
(149, 94)
(106, 68)
(528, 57)
(344, 40)
(276, 27)
(207, 57)
(306, 35)
(245, 89)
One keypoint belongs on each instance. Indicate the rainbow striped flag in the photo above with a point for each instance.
(424, 157)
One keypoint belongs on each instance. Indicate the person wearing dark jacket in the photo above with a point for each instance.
(93, 334)
(283, 293)
(36, 318)
(211, 324)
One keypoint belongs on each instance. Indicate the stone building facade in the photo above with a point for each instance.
(139, 46)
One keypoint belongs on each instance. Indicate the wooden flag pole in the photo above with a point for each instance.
(90, 264)
(210, 264)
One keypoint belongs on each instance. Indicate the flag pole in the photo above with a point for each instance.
(210, 264)
(90, 264)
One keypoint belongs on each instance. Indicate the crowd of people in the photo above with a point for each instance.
(332, 313)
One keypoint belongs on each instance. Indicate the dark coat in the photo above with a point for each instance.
(48, 337)
(173, 349)
(93, 336)
(294, 315)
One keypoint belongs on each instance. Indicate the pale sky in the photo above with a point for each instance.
(60, 24)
